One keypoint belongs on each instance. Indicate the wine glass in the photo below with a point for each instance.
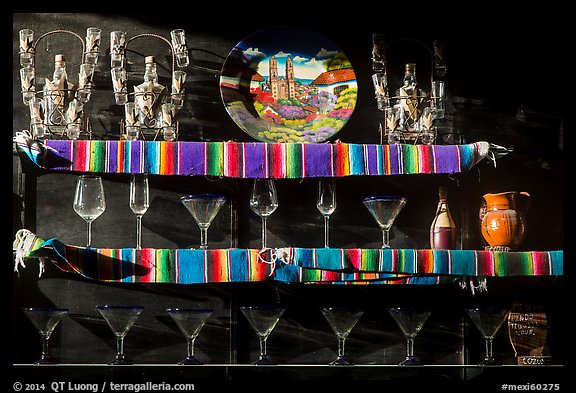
(385, 209)
(264, 201)
(190, 321)
(488, 321)
(263, 319)
(139, 201)
(89, 202)
(342, 321)
(120, 319)
(45, 321)
(203, 208)
(326, 202)
(410, 320)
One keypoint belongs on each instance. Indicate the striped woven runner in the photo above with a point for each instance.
(254, 159)
(311, 265)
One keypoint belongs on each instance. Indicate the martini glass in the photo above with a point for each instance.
(488, 321)
(326, 202)
(342, 321)
(385, 209)
(120, 319)
(45, 321)
(190, 322)
(410, 320)
(263, 320)
(203, 208)
(264, 201)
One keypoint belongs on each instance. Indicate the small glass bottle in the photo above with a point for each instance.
(55, 95)
(149, 96)
(410, 100)
(443, 228)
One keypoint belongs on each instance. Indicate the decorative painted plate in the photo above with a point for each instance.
(288, 84)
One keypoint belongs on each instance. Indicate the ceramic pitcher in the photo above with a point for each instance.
(503, 221)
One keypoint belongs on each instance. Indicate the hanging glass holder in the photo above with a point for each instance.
(407, 118)
(57, 111)
(150, 111)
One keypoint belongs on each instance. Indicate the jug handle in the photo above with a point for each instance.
(523, 201)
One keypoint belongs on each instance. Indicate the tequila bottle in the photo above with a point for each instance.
(57, 93)
(443, 228)
(149, 96)
(410, 100)
(379, 77)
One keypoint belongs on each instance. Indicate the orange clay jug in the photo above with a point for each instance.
(503, 221)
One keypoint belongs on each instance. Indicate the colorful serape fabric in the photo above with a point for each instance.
(253, 159)
(293, 265)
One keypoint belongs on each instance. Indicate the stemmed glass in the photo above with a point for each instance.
(120, 319)
(410, 320)
(488, 321)
(89, 202)
(139, 201)
(45, 321)
(342, 321)
(203, 208)
(190, 321)
(385, 209)
(326, 202)
(264, 201)
(263, 320)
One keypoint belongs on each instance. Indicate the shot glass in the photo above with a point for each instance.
(393, 130)
(26, 37)
(117, 47)
(119, 80)
(132, 123)
(84, 83)
(437, 99)
(180, 48)
(36, 125)
(381, 90)
(27, 76)
(93, 37)
(178, 80)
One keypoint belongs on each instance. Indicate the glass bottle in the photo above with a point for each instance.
(410, 100)
(149, 95)
(443, 228)
(56, 94)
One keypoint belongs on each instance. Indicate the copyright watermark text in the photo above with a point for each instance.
(530, 387)
(101, 387)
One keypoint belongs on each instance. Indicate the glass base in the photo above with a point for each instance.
(340, 361)
(46, 360)
(487, 362)
(189, 361)
(410, 361)
(120, 360)
(262, 360)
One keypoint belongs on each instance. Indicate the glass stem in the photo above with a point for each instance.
(45, 346)
(203, 238)
(120, 347)
(191, 347)
(262, 347)
(138, 231)
(89, 223)
(385, 238)
(341, 342)
(410, 347)
(326, 232)
(489, 348)
(263, 232)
